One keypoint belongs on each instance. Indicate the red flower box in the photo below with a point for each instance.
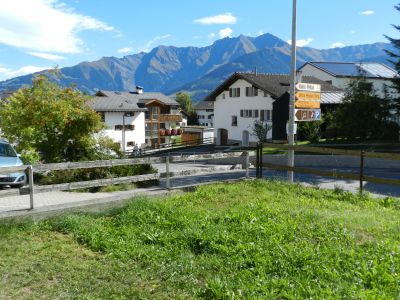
(173, 131)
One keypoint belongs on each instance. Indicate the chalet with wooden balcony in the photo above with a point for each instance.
(139, 119)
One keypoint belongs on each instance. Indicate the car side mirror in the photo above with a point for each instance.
(18, 155)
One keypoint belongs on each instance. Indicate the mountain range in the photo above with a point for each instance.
(198, 70)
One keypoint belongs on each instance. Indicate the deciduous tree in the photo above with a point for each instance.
(55, 121)
(260, 130)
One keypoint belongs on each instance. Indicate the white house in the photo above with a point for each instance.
(138, 119)
(245, 97)
(340, 74)
(205, 113)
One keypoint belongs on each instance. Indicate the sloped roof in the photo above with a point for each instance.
(354, 69)
(332, 97)
(204, 105)
(274, 84)
(126, 101)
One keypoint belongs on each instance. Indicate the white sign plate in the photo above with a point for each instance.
(309, 87)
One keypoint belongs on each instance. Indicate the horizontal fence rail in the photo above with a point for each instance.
(335, 174)
(327, 150)
(111, 163)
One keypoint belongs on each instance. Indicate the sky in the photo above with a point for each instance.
(41, 34)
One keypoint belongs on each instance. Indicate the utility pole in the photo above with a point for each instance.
(290, 162)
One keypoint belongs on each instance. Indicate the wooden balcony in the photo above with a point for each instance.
(170, 118)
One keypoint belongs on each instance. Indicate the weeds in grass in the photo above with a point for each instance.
(254, 239)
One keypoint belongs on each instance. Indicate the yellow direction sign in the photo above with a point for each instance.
(308, 100)
(307, 104)
(308, 96)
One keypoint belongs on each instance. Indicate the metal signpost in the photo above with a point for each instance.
(292, 94)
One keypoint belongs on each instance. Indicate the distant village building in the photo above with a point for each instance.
(340, 74)
(205, 113)
(245, 97)
(139, 119)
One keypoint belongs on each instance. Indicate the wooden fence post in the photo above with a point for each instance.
(257, 161)
(261, 161)
(168, 183)
(247, 162)
(362, 154)
(31, 189)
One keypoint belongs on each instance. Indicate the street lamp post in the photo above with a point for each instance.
(292, 95)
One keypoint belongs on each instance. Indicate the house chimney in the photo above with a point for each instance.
(139, 89)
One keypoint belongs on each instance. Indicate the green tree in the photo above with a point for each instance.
(185, 103)
(362, 114)
(260, 130)
(396, 62)
(53, 121)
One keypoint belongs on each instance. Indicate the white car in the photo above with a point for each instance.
(9, 158)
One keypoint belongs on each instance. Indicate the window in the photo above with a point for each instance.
(251, 91)
(223, 95)
(162, 126)
(266, 115)
(234, 92)
(130, 144)
(118, 127)
(234, 121)
(210, 117)
(209, 110)
(154, 112)
(249, 113)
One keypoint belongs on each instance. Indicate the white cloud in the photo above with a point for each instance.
(337, 45)
(44, 26)
(227, 32)
(368, 12)
(226, 18)
(48, 56)
(125, 50)
(301, 43)
(353, 31)
(6, 73)
(212, 35)
(147, 47)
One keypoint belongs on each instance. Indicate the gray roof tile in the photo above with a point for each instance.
(274, 84)
(126, 101)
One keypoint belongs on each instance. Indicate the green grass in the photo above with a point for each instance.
(253, 240)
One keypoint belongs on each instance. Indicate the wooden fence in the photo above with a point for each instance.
(333, 151)
(32, 188)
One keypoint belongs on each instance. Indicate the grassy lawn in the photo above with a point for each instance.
(253, 240)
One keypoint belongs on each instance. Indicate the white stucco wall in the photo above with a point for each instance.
(224, 109)
(205, 120)
(137, 135)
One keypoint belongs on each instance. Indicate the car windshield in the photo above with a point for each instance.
(7, 150)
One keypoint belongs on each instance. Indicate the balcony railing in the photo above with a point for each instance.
(170, 118)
